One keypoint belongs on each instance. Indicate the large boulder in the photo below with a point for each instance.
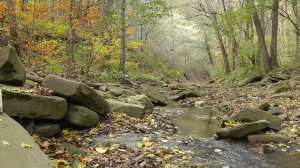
(267, 138)
(47, 130)
(15, 155)
(143, 99)
(22, 104)
(242, 130)
(156, 98)
(132, 110)
(251, 115)
(81, 116)
(78, 93)
(12, 71)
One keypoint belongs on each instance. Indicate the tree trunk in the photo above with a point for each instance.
(123, 37)
(13, 24)
(259, 31)
(219, 36)
(208, 50)
(274, 52)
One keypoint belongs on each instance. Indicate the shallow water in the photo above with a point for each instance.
(200, 123)
(195, 122)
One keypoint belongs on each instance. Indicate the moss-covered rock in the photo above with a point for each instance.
(22, 104)
(78, 93)
(12, 71)
(81, 116)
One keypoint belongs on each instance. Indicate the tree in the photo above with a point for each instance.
(13, 24)
(123, 37)
(219, 36)
(261, 38)
(274, 51)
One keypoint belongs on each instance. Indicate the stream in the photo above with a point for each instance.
(200, 124)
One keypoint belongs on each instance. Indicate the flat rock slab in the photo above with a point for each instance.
(143, 99)
(22, 104)
(242, 130)
(267, 138)
(132, 110)
(12, 71)
(187, 94)
(251, 115)
(14, 155)
(156, 98)
(78, 93)
(81, 116)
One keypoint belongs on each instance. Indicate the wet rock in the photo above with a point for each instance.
(267, 138)
(132, 110)
(12, 71)
(296, 113)
(81, 116)
(276, 111)
(47, 130)
(187, 94)
(13, 155)
(143, 99)
(78, 93)
(287, 95)
(156, 98)
(264, 106)
(251, 115)
(18, 104)
(242, 130)
(252, 79)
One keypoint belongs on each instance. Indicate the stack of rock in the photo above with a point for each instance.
(71, 102)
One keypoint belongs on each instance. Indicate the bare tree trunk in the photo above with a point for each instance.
(274, 52)
(259, 31)
(219, 36)
(123, 37)
(208, 50)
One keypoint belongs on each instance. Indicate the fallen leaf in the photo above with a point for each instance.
(101, 150)
(24, 145)
(5, 143)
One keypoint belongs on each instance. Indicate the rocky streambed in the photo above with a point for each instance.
(254, 123)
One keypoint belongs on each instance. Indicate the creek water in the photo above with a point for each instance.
(201, 123)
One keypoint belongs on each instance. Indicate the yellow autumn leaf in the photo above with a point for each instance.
(5, 143)
(24, 145)
(146, 139)
(294, 130)
(101, 150)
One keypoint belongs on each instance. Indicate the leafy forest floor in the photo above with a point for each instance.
(121, 141)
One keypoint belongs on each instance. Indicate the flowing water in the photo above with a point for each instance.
(201, 123)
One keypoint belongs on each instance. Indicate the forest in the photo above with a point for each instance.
(149, 83)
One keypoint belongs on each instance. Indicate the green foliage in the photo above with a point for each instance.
(218, 71)
(244, 72)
